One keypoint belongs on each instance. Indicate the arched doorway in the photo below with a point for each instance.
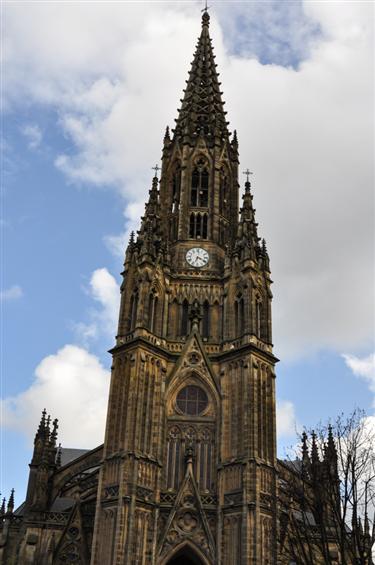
(185, 556)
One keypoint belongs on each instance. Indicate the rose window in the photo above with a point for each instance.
(192, 400)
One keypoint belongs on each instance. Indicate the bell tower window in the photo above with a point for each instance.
(198, 226)
(199, 186)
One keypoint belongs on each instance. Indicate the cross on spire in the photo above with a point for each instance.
(206, 7)
(156, 169)
(247, 173)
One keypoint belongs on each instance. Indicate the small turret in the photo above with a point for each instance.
(43, 462)
(149, 236)
(247, 241)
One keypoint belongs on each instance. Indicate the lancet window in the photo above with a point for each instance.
(198, 226)
(176, 186)
(206, 320)
(258, 318)
(152, 311)
(200, 439)
(133, 311)
(239, 315)
(199, 185)
(185, 318)
(224, 193)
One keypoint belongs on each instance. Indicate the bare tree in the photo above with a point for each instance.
(327, 495)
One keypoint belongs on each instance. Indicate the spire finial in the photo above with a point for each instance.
(247, 173)
(156, 169)
(206, 15)
(247, 183)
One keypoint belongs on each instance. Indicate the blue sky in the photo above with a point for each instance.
(87, 92)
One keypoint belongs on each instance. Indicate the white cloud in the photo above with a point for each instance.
(12, 293)
(73, 386)
(103, 289)
(306, 133)
(364, 368)
(33, 134)
(285, 419)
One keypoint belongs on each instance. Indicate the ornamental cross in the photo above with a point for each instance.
(206, 7)
(156, 169)
(247, 173)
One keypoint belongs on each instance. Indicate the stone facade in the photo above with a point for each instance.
(188, 470)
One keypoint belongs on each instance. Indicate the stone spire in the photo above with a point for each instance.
(202, 110)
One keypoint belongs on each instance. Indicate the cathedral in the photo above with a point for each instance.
(188, 472)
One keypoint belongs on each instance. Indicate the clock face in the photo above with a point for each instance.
(197, 257)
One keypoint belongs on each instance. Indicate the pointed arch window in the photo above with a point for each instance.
(258, 318)
(152, 311)
(205, 226)
(239, 316)
(133, 311)
(176, 186)
(192, 226)
(224, 193)
(206, 320)
(185, 318)
(199, 185)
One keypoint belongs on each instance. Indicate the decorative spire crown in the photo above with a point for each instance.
(202, 111)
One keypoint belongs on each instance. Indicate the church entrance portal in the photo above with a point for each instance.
(185, 557)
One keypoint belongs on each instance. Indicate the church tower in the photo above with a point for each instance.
(189, 464)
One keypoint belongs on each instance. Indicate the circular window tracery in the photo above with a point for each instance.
(192, 400)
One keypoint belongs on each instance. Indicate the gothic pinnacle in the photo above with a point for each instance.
(58, 456)
(2, 509)
(205, 18)
(54, 432)
(305, 451)
(10, 506)
(314, 450)
(42, 423)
